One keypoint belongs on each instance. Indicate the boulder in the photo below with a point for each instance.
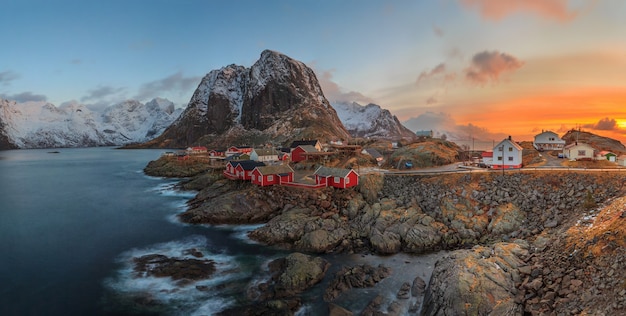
(479, 281)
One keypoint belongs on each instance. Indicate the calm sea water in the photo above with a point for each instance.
(71, 222)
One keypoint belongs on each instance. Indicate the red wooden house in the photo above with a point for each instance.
(334, 177)
(299, 153)
(270, 175)
(216, 153)
(241, 169)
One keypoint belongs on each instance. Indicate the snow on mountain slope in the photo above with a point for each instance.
(43, 125)
(371, 121)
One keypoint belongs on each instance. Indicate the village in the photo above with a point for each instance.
(305, 162)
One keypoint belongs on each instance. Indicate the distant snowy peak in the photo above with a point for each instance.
(43, 125)
(371, 121)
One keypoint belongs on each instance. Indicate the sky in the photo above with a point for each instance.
(474, 69)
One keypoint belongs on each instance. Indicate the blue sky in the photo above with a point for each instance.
(462, 63)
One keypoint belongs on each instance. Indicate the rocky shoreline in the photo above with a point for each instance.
(509, 236)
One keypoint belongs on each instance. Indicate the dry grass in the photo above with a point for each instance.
(602, 234)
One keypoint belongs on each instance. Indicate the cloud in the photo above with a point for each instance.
(425, 75)
(76, 61)
(443, 123)
(605, 124)
(334, 93)
(7, 76)
(438, 31)
(175, 83)
(550, 9)
(431, 101)
(101, 92)
(488, 66)
(24, 97)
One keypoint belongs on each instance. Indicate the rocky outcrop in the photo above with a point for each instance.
(289, 276)
(355, 277)
(178, 269)
(480, 281)
(171, 167)
(411, 213)
(278, 99)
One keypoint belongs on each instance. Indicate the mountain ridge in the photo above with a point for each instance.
(44, 125)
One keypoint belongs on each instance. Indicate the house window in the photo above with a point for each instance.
(336, 180)
(500, 158)
(510, 158)
(270, 178)
(510, 148)
(501, 148)
(347, 180)
(582, 153)
(253, 177)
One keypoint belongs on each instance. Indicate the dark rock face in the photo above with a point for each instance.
(277, 99)
(5, 143)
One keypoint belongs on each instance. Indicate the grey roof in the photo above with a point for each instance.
(332, 172)
(247, 164)
(276, 169)
(373, 152)
(297, 143)
(309, 148)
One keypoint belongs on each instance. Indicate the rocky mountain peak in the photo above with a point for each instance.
(277, 99)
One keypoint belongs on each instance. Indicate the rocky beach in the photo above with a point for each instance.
(540, 243)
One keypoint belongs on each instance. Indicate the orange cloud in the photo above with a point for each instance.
(498, 9)
(488, 66)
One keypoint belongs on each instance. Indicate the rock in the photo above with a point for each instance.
(405, 291)
(551, 223)
(290, 276)
(475, 282)
(386, 243)
(336, 310)
(158, 265)
(355, 277)
(418, 286)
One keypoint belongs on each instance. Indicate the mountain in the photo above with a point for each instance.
(43, 125)
(597, 141)
(371, 121)
(278, 100)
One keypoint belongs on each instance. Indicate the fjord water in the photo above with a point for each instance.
(71, 222)
(68, 219)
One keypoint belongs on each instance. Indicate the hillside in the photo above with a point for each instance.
(597, 141)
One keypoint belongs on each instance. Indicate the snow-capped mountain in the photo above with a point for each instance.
(371, 121)
(278, 99)
(43, 125)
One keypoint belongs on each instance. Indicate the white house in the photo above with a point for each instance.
(264, 154)
(507, 154)
(579, 151)
(548, 140)
(621, 161)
